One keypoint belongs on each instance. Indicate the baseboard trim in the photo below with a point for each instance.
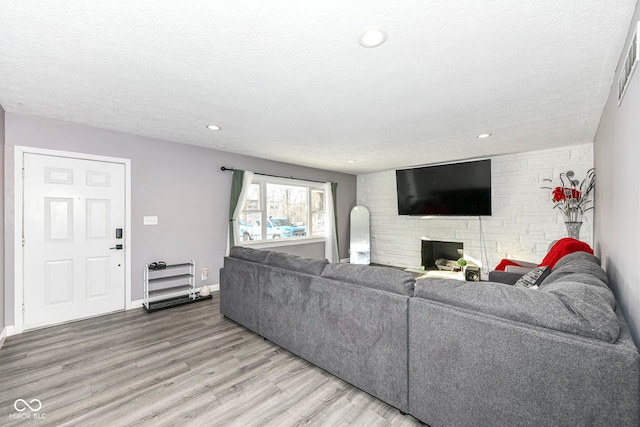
(139, 303)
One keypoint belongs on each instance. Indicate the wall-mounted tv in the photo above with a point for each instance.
(456, 189)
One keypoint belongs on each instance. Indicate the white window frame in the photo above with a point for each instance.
(263, 180)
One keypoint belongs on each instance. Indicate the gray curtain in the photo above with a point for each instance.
(236, 189)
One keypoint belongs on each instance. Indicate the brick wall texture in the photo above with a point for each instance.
(522, 225)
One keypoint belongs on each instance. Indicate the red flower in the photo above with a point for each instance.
(571, 198)
(562, 193)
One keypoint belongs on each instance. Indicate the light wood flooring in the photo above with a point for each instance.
(178, 367)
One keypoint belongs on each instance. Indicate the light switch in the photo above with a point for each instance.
(150, 220)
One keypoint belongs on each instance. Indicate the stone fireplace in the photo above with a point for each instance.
(435, 249)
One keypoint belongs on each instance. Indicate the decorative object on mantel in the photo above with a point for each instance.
(573, 198)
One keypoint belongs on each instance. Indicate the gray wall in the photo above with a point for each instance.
(617, 222)
(181, 184)
(3, 321)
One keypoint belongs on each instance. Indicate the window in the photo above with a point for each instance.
(317, 212)
(278, 208)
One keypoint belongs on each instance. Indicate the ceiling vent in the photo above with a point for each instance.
(629, 65)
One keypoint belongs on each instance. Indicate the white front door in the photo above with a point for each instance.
(73, 266)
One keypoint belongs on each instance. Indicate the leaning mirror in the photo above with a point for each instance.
(360, 240)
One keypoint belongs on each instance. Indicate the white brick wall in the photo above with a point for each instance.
(521, 227)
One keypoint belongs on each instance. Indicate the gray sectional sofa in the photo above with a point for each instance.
(450, 353)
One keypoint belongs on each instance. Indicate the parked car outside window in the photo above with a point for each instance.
(276, 228)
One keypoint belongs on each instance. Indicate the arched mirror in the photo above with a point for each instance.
(360, 245)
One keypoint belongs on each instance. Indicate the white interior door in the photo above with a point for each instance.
(73, 266)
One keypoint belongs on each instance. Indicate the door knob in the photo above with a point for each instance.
(117, 247)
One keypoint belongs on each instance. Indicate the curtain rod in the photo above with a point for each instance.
(224, 169)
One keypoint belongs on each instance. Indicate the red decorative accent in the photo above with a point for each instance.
(564, 247)
(563, 193)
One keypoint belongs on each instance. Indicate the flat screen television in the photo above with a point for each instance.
(456, 189)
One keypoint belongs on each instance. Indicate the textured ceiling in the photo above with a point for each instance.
(288, 81)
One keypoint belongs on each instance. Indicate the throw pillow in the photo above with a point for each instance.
(532, 279)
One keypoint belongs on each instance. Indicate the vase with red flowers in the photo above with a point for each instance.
(573, 198)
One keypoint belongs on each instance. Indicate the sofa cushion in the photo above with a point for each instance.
(577, 262)
(313, 266)
(248, 254)
(571, 307)
(573, 292)
(587, 279)
(533, 278)
(567, 259)
(382, 278)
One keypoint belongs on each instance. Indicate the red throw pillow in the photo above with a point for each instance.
(564, 247)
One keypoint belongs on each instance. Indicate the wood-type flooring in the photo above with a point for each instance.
(185, 366)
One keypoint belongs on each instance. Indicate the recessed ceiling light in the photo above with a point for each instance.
(372, 37)
(214, 127)
(484, 135)
(351, 161)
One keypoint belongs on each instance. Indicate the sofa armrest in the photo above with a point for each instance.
(522, 264)
(239, 292)
(505, 277)
(518, 269)
(512, 273)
